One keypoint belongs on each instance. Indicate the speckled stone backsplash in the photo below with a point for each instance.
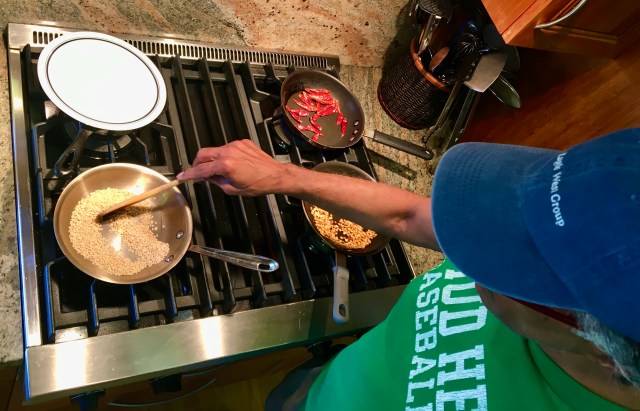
(358, 31)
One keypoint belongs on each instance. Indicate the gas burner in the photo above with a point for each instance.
(147, 146)
(282, 134)
(100, 146)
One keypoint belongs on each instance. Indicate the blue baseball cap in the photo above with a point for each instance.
(556, 228)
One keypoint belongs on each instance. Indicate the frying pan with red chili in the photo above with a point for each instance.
(322, 111)
(340, 271)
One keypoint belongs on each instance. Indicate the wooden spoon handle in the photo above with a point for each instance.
(138, 198)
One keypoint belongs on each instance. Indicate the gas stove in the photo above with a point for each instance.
(203, 312)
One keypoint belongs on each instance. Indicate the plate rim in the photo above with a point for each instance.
(49, 50)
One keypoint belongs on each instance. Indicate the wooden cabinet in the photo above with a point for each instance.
(601, 28)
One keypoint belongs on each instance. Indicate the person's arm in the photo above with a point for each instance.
(241, 168)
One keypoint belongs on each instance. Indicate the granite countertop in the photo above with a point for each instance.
(363, 34)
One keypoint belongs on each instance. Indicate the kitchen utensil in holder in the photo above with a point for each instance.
(409, 94)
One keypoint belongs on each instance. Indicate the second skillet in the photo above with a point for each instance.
(302, 79)
(340, 271)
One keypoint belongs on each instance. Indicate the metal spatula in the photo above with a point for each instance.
(505, 92)
(487, 71)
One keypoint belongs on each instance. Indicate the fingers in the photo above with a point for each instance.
(200, 171)
(205, 155)
(235, 148)
(234, 167)
(208, 155)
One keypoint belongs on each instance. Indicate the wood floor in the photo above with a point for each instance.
(566, 99)
(247, 395)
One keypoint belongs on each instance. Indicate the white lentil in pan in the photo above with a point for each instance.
(134, 224)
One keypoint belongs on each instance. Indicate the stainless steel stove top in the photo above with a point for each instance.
(201, 313)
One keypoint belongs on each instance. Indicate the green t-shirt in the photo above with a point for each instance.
(440, 349)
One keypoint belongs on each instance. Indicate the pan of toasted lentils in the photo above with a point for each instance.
(137, 243)
(343, 236)
(337, 233)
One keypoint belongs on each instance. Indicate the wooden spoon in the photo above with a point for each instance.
(137, 198)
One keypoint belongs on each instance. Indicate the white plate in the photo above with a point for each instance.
(101, 81)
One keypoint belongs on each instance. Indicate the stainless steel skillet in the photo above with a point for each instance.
(170, 212)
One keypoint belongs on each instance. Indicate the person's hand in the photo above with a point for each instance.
(238, 168)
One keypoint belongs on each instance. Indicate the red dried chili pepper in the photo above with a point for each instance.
(321, 99)
(294, 114)
(316, 103)
(308, 107)
(327, 110)
(309, 104)
(297, 114)
(318, 91)
(309, 127)
(317, 126)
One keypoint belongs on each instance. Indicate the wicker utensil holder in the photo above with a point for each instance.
(409, 94)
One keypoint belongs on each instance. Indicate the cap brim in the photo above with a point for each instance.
(480, 226)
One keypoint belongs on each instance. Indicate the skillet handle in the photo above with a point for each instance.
(398, 144)
(340, 289)
(70, 158)
(253, 262)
